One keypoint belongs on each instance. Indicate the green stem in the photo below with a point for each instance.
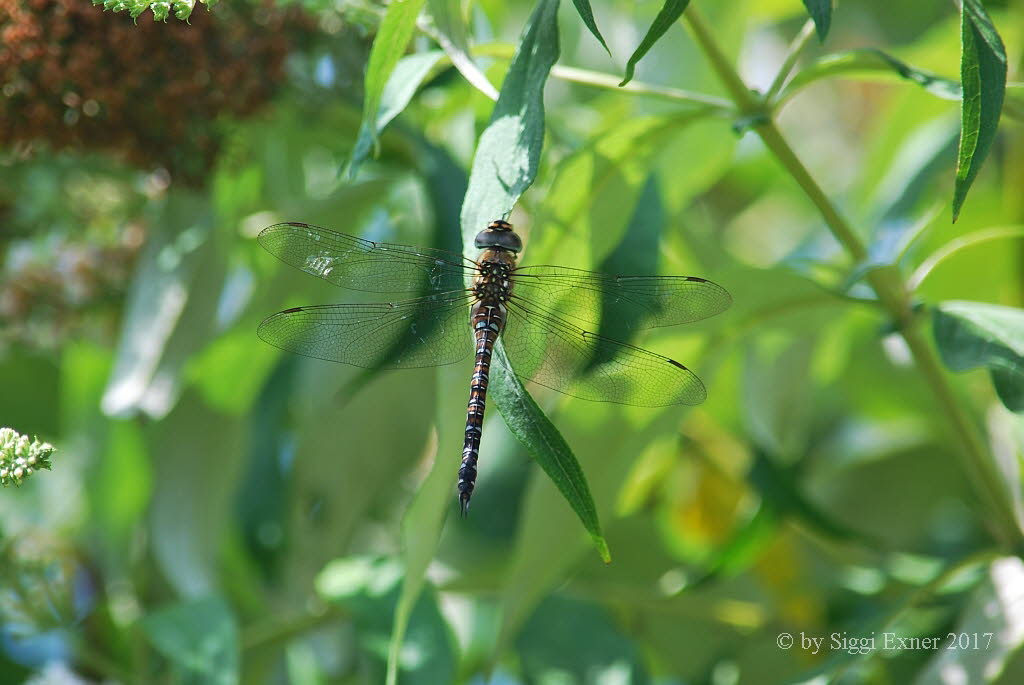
(600, 79)
(957, 244)
(610, 82)
(796, 48)
(887, 284)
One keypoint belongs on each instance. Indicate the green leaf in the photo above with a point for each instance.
(453, 38)
(744, 545)
(392, 39)
(595, 189)
(670, 12)
(546, 445)
(973, 334)
(424, 521)
(170, 314)
(870, 60)
(405, 80)
(200, 639)
(368, 590)
(504, 166)
(587, 15)
(636, 253)
(1010, 388)
(573, 641)
(777, 393)
(983, 79)
(821, 13)
(508, 152)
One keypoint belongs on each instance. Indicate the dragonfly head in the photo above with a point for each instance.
(499, 234)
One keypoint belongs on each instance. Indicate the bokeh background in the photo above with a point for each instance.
(219, 511)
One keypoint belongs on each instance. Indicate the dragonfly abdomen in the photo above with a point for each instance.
(488, 320)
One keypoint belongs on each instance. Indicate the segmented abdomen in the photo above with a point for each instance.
(488, 320)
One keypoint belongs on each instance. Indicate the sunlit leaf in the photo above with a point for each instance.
(508, 152)
(200, 638)
(595, 190)
(504, 167)
(976, 334)
(405, 80)
(424, 520)
(169, 313)
(670, 12)
(389, 46)
(366, 590)
(453, 38)
(983, 79)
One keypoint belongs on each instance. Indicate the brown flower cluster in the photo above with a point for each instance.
(73, 75)
(65, 290)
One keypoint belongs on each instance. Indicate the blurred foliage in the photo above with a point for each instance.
(221, 512)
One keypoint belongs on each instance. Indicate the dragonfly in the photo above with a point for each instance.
(552, 320)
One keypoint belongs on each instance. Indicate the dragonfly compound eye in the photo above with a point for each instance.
(504, 238)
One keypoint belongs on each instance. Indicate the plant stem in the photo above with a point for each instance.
(888, 285)
(600, 79)
(796, 48)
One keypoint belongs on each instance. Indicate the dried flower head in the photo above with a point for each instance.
(74, 76)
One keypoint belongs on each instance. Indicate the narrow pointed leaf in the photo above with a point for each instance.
(508, 152)
(821, 13)
(587, 15)
(504, 166)
(424, 521)
(983, 79)
(546, 445)
(389, 46)
(453, 38)
(866, 62)
(670, 12)
(405, 80)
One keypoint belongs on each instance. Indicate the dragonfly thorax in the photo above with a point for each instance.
(492, 284)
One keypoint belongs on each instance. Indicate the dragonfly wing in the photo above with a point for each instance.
(554, 353)
(360, 264)
(428, 331)
(591, 298)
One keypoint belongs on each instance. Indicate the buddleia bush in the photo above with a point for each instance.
(73, 76)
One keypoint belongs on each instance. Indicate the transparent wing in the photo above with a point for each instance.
(554, 353)
(360, 264)
(589, 298)
(428, 331)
